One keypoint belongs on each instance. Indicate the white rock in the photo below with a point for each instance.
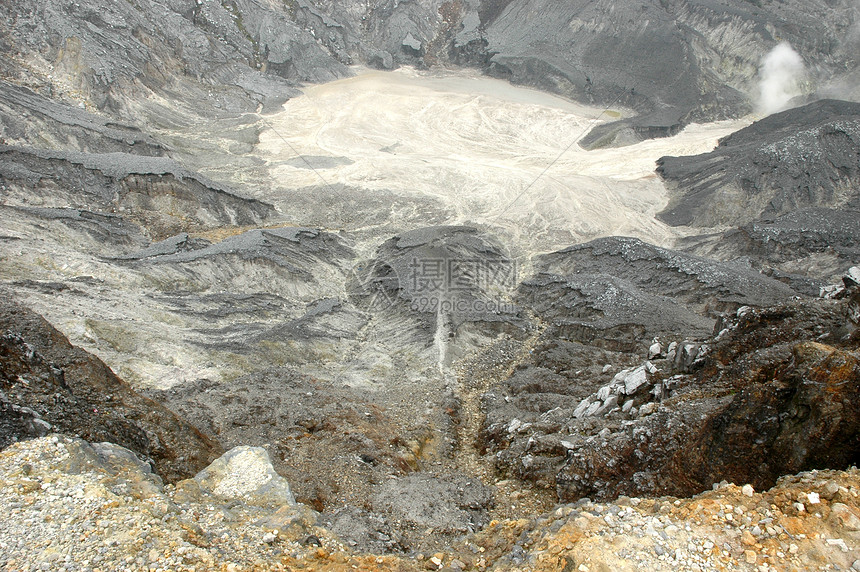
(607, 368)
(583, 407)
(647, 409)
(852, 277)
(611, 402)
(842, 515)
(656, 349)
(592, 409)
(634, 380)
(604, 392)
(813, 498)
(246, 474)
(748, 490)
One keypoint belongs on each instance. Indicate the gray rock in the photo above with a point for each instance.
(647, 409)
(769, 169)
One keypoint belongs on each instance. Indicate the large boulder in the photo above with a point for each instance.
(246, 473)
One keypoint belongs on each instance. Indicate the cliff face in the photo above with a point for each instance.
(672, 62)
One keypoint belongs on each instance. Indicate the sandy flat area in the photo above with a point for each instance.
(494, 154)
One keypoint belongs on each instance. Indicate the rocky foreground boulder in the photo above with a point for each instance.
(72, 505)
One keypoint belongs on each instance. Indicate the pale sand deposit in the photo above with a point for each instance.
(474, 144)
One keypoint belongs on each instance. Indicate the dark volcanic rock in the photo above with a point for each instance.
(30, 119)
(618, 293)
(155, 192)
(799, 417)
(439, 282)
(803, 248)
(801, 158)
(48, 383)
(767, 399)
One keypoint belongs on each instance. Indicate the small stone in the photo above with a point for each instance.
(748, 538)
(748, 490)
(793, 548)
(830, 489)
(756, 531)
(838, 542)
(856, 565)
(813, 498)
(750, 556)
(313, 540)
(647, 409)
(798, 506)
(270, 537)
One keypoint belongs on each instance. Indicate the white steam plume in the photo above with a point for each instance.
(781, 76)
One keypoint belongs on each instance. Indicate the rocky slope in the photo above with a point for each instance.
(241, 54)
(700, 409)
(787, 185)
(49, 385)
(798, 159)
(106, 510)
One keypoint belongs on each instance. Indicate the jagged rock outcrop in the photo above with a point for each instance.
(155, 192)
(620, 292)
(670, 61)
(805, 248)
(30, 119)
(767, 396)
(803, 158)
(48, 384)
(106, 51)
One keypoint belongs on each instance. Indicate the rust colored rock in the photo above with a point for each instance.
(803, 418)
